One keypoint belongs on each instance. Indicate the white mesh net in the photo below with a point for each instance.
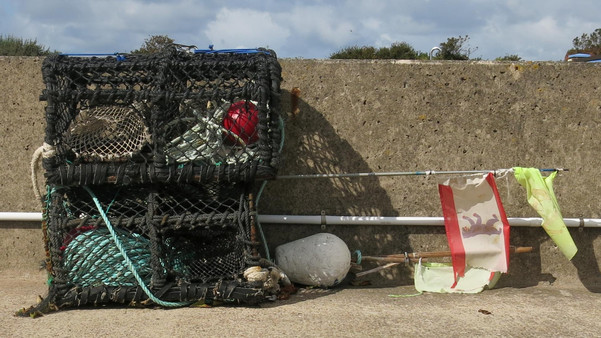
(108, 133)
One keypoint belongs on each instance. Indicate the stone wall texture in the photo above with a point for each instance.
(381, 116)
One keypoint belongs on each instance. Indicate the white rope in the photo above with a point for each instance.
(37, 155)
(44, 151)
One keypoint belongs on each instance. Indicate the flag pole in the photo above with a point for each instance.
(407, 173)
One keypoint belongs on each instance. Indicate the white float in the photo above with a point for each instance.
(319, 260)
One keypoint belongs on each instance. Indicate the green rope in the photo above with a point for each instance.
(259, 227)
(93, 260)
(359, 256)
(45, 218)
(405, 296)
(126, 259)
(109, 270)
(113, 200)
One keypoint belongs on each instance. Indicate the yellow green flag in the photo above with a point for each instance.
(542, 198)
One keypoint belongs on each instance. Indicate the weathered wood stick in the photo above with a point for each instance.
(400, 258)
(394, 260)
(382, 267)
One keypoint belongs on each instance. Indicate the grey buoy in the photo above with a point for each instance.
(319, 260)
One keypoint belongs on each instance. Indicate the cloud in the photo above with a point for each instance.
(537, 37)
(535, 30)
(243, 28)
(85, 26)
(323, 23)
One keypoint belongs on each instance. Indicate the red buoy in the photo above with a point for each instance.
(241, 120)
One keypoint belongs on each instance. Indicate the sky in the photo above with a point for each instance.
(535, 30)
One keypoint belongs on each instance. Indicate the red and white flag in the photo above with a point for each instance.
(476, 224)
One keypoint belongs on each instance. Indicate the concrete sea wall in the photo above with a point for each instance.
(378, 116)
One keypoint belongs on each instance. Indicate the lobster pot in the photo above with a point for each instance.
(224, 111)
(186, 243)
(99, 109)
(166, 117)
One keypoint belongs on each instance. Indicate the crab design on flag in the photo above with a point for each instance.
(477, 228)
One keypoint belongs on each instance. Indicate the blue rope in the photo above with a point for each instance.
(90, 54)
(119, 56)
(231, 51)
(126, 259)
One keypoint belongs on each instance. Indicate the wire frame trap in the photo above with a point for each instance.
(150, 162)
(165, 245)
(218, 112)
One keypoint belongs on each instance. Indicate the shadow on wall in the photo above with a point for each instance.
(313, 146)
(526, 269)
(585, 260)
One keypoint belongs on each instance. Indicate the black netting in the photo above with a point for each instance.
(198, 236)
(201, 258)
(216, 112)
(150, 162)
